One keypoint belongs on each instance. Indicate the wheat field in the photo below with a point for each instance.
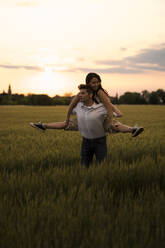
(47, 199)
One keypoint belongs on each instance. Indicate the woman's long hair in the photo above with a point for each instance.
(89, 78)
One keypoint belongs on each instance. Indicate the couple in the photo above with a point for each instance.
(94, 119)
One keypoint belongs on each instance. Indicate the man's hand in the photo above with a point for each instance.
(112, 126)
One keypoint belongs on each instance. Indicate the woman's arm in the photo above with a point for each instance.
(107, 103)
(117, 111)
(73, 103)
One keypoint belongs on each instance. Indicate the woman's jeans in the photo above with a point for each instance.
(91, 147)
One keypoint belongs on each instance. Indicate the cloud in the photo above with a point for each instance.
(152, 59)
(115, 70)
(152, 56)
(40, 69)
(26, 67)
(123, 49)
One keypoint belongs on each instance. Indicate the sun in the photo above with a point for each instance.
(49, 81)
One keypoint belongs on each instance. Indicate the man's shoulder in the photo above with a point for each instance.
(99, 105)
(101, 108)
(77, 107)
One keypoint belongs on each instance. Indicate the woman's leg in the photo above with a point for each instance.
(55, 125)
(44, 126)
(119, 127)
(123, 128)
(73, 125)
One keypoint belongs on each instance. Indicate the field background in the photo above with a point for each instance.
(48, 200)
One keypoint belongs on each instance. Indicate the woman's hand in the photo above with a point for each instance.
(66, 122)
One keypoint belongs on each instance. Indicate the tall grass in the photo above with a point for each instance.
(48, 200)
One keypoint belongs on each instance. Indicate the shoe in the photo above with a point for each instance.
(134, 128)
(38, 125)
(136, 131)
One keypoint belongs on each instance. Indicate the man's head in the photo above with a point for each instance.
(85, 93)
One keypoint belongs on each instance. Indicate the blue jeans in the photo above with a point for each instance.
(91, 147)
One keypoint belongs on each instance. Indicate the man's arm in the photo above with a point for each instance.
(73, 103)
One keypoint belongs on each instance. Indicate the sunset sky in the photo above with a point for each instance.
(48, 46)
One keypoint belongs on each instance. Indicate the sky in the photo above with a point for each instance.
(49, 46)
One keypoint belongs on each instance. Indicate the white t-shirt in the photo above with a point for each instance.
(90, 120)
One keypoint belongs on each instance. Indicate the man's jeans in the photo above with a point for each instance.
(91, 147)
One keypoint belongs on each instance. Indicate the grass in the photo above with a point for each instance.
(48, 200)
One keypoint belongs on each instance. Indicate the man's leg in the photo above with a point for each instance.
(87, 152)
(100, 149)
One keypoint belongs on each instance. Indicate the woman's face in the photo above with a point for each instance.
(94, 84)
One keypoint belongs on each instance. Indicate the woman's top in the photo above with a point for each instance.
(96, 99)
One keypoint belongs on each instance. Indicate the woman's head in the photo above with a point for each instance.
(93, 80)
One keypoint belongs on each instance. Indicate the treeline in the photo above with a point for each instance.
(145, 97)
(33, 99)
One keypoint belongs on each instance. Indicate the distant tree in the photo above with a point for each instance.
(131, 98)
(61, 100)
(39, 99)
(4, 99)
(4, 93)
(146, 96)
(161, 96)
(154, 98)
(19, 99)
(115, 100)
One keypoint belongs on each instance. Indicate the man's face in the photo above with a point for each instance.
(84, 95)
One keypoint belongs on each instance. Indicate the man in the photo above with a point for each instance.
(90, 118)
